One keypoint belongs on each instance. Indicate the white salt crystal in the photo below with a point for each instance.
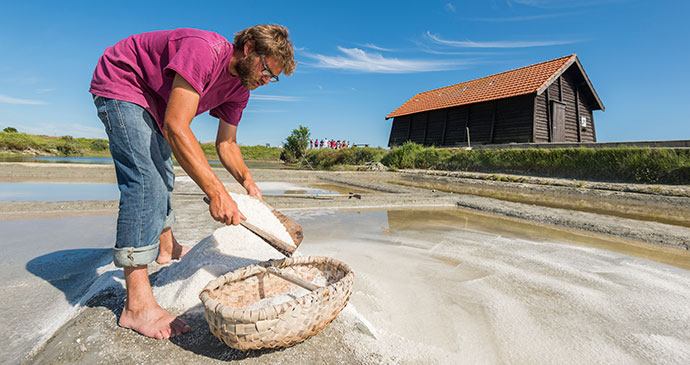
(227, 249)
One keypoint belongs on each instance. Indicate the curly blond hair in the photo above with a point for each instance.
(269, 41)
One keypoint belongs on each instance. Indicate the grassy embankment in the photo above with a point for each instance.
(642, 165)
(23, 144)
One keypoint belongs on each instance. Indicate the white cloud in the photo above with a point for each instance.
(373, 46)
(450, 7)
(10, 100)
(275, 98)
(46, 90)
(355, 59)
(464, 53)
(494, 44)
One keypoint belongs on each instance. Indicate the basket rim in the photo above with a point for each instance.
(269, 312)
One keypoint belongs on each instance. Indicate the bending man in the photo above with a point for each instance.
(147, 89)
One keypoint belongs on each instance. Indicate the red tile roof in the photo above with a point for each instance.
(525, 80)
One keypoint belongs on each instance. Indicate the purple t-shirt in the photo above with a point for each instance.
(141, 69)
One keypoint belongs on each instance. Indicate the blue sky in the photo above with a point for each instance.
(359, 60)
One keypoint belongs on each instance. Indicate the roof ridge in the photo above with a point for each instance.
(500, 73)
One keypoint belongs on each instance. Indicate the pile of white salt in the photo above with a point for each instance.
(229, 248)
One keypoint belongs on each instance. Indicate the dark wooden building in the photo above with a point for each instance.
(550, 101)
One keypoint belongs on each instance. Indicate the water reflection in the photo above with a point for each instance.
(109, 161)
(415, 223)
(57, 192)
(282, 188)
(59, 159)
(424, 227)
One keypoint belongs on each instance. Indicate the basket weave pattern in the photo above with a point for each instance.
(279, 325)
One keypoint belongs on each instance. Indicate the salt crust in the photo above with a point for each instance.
(177, 287)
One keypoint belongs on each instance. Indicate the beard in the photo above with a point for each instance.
(246, 71)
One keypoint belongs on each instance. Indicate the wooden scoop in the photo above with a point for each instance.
(294, 229)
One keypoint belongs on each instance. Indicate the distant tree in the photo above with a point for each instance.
(10, 130)
(296, 144)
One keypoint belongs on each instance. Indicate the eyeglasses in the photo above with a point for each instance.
(267, 72)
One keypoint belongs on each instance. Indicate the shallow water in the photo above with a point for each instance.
(436, 286)
(59, 159)
(57, 192)
(282, 188)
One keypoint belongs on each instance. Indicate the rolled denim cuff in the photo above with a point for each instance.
(135, 256)
(169, 220)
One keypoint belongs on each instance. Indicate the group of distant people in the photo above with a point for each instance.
(326, 143)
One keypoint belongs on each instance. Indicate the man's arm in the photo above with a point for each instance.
(182, 106)
(231, 157)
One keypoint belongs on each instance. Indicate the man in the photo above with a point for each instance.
(147, 89)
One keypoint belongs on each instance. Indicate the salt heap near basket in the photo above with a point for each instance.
(247, 304)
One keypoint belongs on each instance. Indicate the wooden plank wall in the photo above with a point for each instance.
(480, 122)
(399, 130)
(418, 127)
(564, 90)
(513, 121)
(588, 134)
(568, 96)
(541, 126)
(510, 120)
(455, 128)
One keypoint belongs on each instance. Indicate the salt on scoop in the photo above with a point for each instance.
(229, 248)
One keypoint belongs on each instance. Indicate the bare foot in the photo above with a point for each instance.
(154, 322)
(169, 248)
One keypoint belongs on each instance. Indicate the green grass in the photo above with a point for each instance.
(644, 165)
(328, 158)
(17, 143)
(249, 153)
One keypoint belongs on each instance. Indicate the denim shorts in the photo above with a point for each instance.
(143, 165)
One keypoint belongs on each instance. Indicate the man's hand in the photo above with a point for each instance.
(253, 190)
(224, 210)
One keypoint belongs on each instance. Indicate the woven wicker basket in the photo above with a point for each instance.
(281, 325)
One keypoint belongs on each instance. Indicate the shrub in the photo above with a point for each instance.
(99, 145)
(67, 146)
(326, 158)
(402, 157)
(10, 130)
